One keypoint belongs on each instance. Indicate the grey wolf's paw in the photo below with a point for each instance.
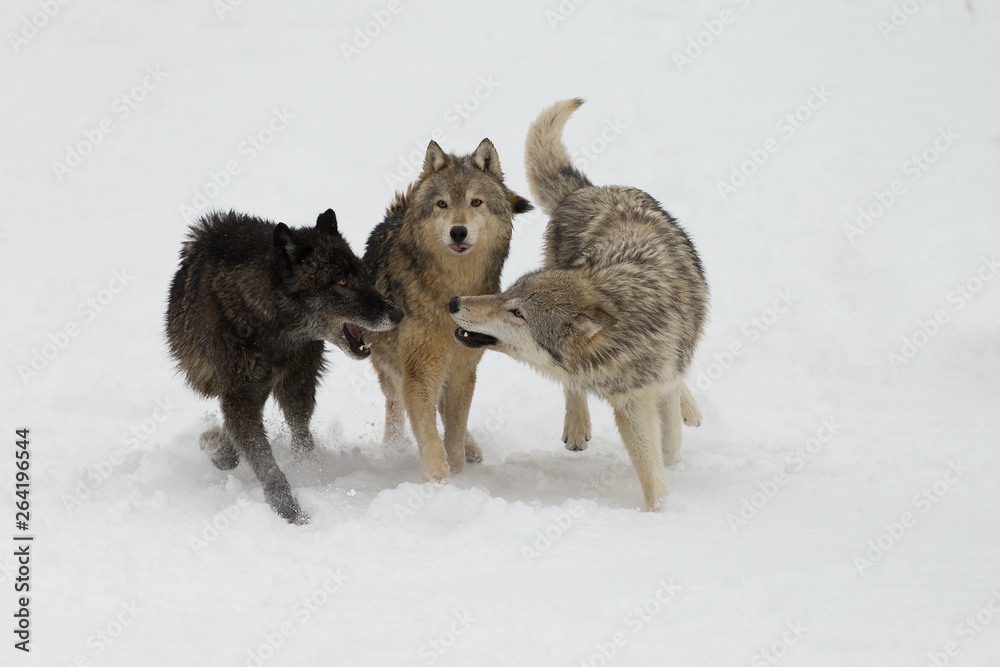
(670, 459)
(689, 409)
(473, 454)
(303, 446)
(576, 436)
(215, 443)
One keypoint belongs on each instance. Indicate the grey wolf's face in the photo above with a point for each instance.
(326, 279)
(542, 319)
(462, 201)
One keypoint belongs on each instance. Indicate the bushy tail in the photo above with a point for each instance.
(551, 174)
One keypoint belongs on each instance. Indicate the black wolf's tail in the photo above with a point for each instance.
(551, 174)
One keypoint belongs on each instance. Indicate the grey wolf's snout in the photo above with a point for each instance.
(458, 233)
(396, 316)
(453, 305)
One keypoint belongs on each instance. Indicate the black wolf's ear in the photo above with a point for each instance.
(287, 250)
(486, 158)
(434, 160)
(591, 321)
(327, 222)
(518, 203)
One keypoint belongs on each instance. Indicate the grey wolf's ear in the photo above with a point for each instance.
(434, 160)
(327, 222)
(518, 203)
(286, 250)
(591, 321)
(486, 158)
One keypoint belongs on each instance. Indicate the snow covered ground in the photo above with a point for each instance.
(836, 164)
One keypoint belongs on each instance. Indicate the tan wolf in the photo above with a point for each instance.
(448, 234)
(617, 310)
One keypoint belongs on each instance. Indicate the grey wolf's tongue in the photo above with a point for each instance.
(353, 330)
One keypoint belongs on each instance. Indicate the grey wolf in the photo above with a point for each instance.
(249, 309)
(449, 232)
(617, 309)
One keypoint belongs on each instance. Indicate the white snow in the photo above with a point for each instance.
(175, 563)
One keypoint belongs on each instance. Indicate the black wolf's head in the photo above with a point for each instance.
(461, 201)
(333, 294)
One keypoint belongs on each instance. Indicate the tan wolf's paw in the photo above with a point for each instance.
(689, 409)
(473, 454)
(436, 473)
(671, 459)
(576, 437)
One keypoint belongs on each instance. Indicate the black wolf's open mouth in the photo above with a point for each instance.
(357, 344)
(459, 247)
(474, 338)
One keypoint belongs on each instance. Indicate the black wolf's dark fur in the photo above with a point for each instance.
(249, 309)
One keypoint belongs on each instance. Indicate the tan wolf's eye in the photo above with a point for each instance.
(516, 312)
(342, 281)
(477, 202)
(442, 203)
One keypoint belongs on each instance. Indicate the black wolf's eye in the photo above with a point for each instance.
(477, 202)
(516, 312)
(342, 281)
(442, 203)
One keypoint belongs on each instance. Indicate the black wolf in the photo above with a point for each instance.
(249, 309)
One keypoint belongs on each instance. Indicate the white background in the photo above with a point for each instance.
(125, 519)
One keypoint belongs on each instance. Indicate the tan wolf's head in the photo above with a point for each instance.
(547, 319)
(458, 200)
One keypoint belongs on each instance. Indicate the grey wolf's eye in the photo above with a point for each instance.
(477, 202)
(516, 312)
(442, 203)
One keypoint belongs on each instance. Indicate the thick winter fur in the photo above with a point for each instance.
(249, 309)
(617, 310)
(449, 234)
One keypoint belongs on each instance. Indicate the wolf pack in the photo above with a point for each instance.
(616, 310)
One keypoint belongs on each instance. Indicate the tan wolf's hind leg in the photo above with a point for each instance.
(576, 425)
(395, 412)
(638, 420)
(670, 408)
(473, 452)
(689, 408)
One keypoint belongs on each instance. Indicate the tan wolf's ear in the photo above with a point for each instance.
(518, 203)
(591, 321)
(435, 159)
(486, 158)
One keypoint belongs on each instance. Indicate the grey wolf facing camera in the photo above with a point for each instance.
(617, 309)
(449, 233)
(249, 309)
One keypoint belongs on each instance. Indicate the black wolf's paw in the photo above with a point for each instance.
(215, 443)
(279, 497)
(303, 446)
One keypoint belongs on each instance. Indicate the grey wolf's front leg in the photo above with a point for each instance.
(576, 425)
(638, 422)
(689, 408)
